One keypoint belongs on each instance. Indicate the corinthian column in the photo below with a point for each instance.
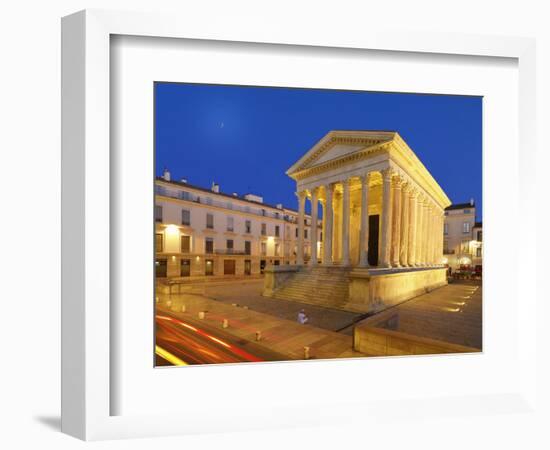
(411, 253)
(327, 219)
(385, 240)
(345, 224)
(425, 233)
(420, 233)
(404, 239)
(314, 205)
(396, 222)
(364, 232)
(301, 211)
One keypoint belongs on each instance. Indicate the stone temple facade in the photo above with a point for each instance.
(382, 227)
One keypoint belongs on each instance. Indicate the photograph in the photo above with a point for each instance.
(296, 224)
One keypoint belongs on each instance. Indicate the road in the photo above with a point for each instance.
(183, 342)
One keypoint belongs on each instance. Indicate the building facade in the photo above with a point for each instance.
(203, 232)
(381, 206)
(463, 238)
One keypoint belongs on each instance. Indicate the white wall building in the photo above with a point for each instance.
(462, 248)
(204, 232)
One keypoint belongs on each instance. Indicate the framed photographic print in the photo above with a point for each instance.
(266, 228)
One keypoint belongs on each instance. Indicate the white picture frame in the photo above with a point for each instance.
(87, 385)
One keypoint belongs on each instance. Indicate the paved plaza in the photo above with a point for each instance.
(249, 293)
(451, 314)
(286, 337)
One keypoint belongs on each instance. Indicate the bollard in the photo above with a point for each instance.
(225, 323)
(258, 335)
(306, 352)
(201, 314)
(183, 308)
(168, 303)
(234, 304)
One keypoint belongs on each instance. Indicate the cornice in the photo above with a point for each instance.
(364, 154)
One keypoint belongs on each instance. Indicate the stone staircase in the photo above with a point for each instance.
(320, 286)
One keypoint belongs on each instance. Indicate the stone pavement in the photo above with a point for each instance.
(452, 314)
(249, 293)
(279, 335)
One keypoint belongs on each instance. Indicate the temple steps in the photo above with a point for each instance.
(321, 286)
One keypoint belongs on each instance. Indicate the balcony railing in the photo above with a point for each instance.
(192, 197)
(230, 251)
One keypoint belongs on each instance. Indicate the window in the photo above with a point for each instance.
(159, 242)
(277, 230)
(208, 201)
(263, 212)
(264, 248)
(264, 229)
(446, 247)
(229, 245)
(480, 236)
(185, 217)
(209, 245)
(277, 249)
(209, 267)
(466, 227)
(467, 211)
(210, 221)
(446, 228)
(185, 244)
(230, 222)
(478, 252)
(185, 195)
(248, 226)
(247, 247)
(320, 236)
(161, 268)
(296, 232)
(158, 213)
(305, 233)
(465, 246)
(185, 268)
(276, 215)
(229, 205)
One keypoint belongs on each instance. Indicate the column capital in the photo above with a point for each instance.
(387, 173)
(406, 187)
(365, 178)
(315, 191)
(301, 194)
(398, 182)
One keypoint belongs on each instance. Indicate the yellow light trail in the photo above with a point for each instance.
(173, 359)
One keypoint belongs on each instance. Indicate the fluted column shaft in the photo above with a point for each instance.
(301, 213)
(426, 234)
(364, 231)
(314, 209)
(328, 215)
(432, 237)
(404, 240)
(345, 224)
(420, 233)
(411, 254)
(396, 222)
(385, 240)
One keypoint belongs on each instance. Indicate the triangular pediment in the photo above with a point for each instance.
(338, 144)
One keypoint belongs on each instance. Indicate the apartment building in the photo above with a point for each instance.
(202, 232)
(462, 237)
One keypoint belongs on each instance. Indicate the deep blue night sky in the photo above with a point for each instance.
(245, 138)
